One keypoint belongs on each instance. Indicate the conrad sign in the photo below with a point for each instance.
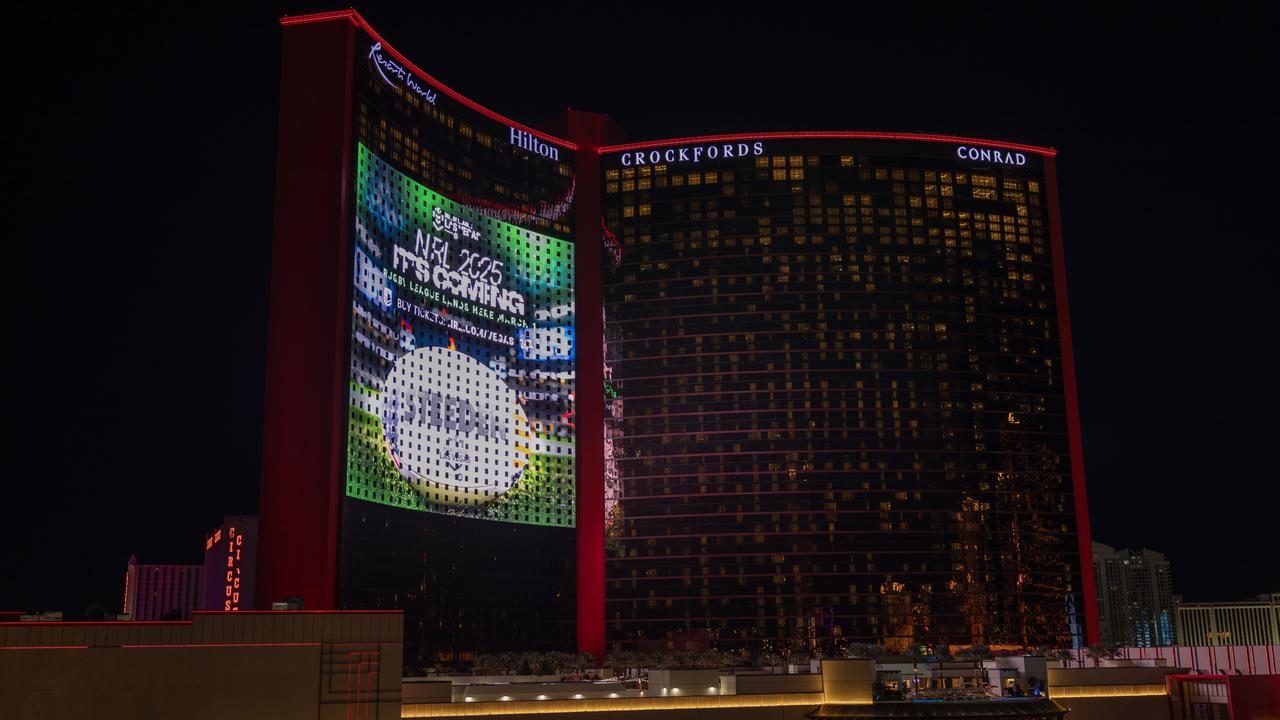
(1004, 157)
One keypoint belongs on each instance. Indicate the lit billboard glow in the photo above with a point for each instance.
(462, 346)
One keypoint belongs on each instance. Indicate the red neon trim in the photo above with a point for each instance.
(341, 350)
(219, 645)
(590, 130)
(99, 623)
(359, 22)
(832, 135)
(314, 151)
(360, 666)
(44, 647)
(319, 17)
(292, 612)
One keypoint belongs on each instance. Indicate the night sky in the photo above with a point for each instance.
(141, 174)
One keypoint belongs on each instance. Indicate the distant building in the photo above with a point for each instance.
(161, 592)
(1251, 622)
(46, 616)
(230, 564)
(1135, 597)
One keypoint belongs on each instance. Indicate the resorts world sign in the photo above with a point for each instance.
(389, 69)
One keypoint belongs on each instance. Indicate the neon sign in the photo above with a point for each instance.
(386, 65)
(231, 587)
(527, 141)
(966, 152)
(692, 153)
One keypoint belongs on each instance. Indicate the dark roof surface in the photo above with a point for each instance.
(1013, 708)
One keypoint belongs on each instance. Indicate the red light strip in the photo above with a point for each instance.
(99, 623)
(831, 135)
(321, 17)
(355, 18)
(220, 645)
(290, 612)
(359, 22)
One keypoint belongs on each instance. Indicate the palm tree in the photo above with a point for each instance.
(582, 661)
(916, 652)
(1062, 655)
(869, 651)
(978, 654)
(1101, 651)
(770, 659)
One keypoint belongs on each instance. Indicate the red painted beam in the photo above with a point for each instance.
(1076, 441)
(588, 131)
(302, 453)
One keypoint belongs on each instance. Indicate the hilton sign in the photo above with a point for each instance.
(528, 141)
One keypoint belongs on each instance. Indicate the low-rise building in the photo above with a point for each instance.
(1251, 622)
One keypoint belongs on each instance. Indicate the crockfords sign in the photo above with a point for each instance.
(528, 141)
(1004, 157)
(692, 153)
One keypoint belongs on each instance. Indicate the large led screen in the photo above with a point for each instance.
(462, 348)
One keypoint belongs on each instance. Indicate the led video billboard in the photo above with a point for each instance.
(461, 375)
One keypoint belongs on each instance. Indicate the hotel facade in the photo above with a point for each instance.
(543, 388)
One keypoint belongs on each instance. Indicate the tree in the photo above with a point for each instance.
(869, 651)
(547, 663)
(1060, 654)
(978, 654)
(917, 653)
(770, 659)
(582, 661)
(485, 664)
(1101, 651)
(620, 661)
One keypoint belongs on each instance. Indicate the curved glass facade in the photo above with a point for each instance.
(840, 398)
(459, 463)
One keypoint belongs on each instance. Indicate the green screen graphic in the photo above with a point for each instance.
(462, 346)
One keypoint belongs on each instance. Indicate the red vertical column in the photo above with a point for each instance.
(589, 131)
(1088, 585)
(304, 413)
